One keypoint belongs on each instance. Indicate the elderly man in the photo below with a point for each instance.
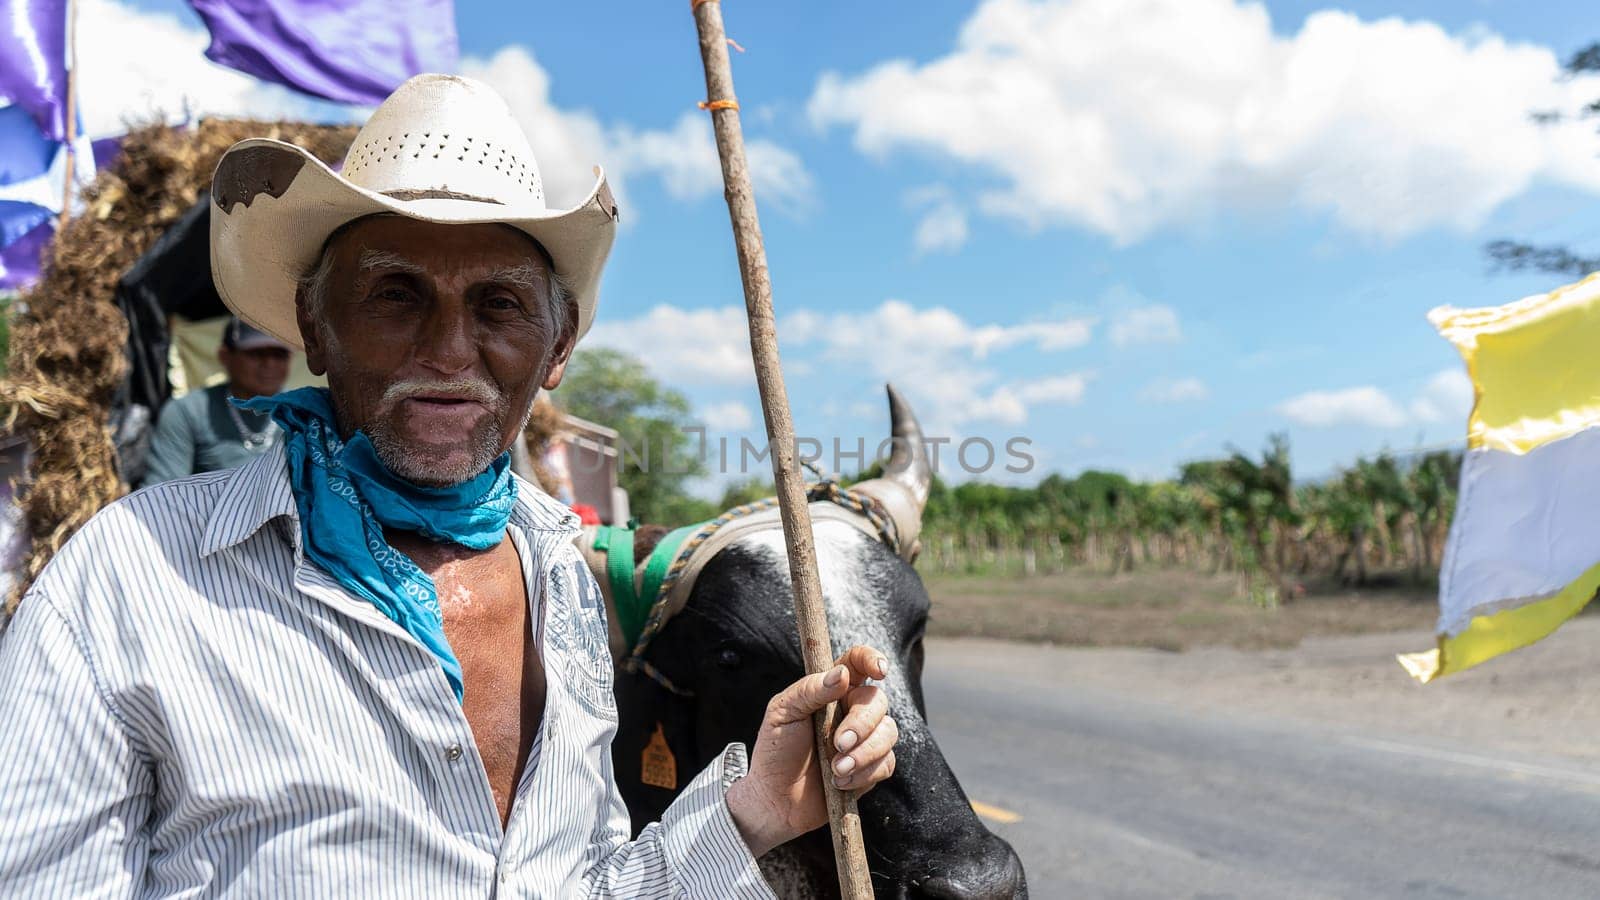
(372, 661)
(201, 431)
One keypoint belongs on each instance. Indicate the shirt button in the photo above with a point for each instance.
(452, 752)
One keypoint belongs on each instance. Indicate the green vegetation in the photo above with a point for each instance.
(1380, 518)
(1240, 518)
(613, 389)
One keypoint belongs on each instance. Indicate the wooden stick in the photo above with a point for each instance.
(855, 881)
(71, 123)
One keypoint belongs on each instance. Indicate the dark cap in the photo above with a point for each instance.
(240, 335)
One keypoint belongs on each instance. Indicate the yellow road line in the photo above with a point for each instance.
(995, 813)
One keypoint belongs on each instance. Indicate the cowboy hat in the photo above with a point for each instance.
(440, 149)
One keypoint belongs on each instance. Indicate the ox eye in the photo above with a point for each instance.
(728, 659)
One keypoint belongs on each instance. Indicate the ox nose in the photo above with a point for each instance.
(993, 874)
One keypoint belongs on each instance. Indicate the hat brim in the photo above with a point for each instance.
(275, 205)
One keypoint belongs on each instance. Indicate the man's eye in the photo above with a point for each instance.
(502, 302)
(394, 294)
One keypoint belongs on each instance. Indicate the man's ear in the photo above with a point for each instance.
(310, 335)
(558, 360)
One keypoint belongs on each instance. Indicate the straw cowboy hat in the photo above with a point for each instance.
(440, 149)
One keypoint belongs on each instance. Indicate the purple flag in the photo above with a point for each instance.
(18, 217)
(33, 61)
(350, 51)
(25, 153)
(106, 151)
(19, 261)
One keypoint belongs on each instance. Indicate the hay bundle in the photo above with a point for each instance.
(67, 343)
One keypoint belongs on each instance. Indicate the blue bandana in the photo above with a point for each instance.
(342, 490)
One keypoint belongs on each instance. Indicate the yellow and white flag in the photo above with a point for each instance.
(1524, 548)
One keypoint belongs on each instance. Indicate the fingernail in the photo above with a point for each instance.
(834, 677)
(841, 781)
(846, 740)
(883, 667)
(843, 764)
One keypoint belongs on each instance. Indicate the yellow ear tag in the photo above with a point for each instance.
(658, 767)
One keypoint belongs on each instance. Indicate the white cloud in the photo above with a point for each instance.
(685, 159)
(1171, 391)
(1447, 397)
(1001, 406)
(937, 329)
(568, 143)
(941, 229)
(138, 67)
(1127, 117)
(943, 226)
(1155, 324)
(730, 416)
(1352, 406)
(1062, 334)
(683, 344)
(934, 353)
(1066, 389)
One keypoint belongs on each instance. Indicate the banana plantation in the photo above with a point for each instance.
(1384, 517)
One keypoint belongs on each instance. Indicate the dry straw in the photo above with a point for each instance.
(67, 339)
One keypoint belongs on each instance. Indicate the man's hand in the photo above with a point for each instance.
(781, 798)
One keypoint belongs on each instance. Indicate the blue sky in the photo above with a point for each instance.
(1133, 233)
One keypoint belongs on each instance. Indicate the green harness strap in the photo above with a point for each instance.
(617, 543)
(634, 605)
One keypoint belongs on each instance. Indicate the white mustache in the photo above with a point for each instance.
(472, 389)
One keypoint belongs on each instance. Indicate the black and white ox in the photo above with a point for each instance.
(734, 645)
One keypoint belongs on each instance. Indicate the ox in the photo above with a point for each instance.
(734, 644)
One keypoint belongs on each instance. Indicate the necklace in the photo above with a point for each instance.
(252, 440)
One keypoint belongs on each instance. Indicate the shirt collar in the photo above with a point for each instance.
(258, 492)
(255, 494)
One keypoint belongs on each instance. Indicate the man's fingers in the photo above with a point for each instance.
(809, 695)
(878, 743)
(868, 705)
(864, 777)
(864, 662)
(813, 692)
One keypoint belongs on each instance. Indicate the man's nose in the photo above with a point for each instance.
(448, 342)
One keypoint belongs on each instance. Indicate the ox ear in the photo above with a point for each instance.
(907, 476)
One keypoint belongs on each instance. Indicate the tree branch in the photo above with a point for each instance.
(1515, 256)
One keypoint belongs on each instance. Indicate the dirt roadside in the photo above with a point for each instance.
(1543, 700)
(1166, 609)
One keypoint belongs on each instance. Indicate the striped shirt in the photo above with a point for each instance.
(190, 708)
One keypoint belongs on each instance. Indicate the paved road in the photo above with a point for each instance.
(1128, 796)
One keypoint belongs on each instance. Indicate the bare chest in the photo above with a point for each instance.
(488, 623)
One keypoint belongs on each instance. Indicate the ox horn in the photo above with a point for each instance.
(907, 477)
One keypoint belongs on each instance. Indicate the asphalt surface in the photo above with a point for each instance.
(1127, 795)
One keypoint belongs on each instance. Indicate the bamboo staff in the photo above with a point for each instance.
(854, 879)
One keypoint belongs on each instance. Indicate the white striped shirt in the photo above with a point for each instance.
(188, 708)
